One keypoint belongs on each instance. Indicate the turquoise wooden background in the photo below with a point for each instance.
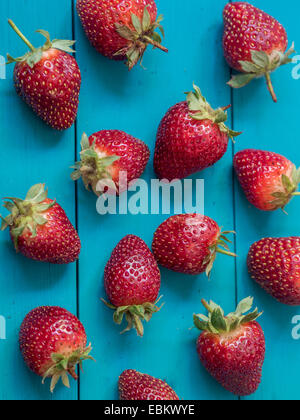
(135, 102)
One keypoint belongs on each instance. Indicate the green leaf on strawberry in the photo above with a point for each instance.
(140, 37)
(201, 110)
(35, 54)
(218, 323)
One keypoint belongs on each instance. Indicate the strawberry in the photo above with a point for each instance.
(254, 44)
(232, 348)
(48, 80)
(121, 30)
(53, 342)
(189, 243)
(191, 137)
(107, 153)
(138, 386)
(132, 283)
(269, 180)
(274, 263)
(40, 229)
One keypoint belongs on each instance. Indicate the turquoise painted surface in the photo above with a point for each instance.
(112, 98)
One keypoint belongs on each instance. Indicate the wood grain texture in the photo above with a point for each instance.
(113, 98)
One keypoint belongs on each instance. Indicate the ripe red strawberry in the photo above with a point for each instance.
(191, 137)
(138, 386)
(132, 283)
(107, 153)
(189, 243)
(269, 180)
(232, 348)
(40, 229)
(48, 80)
(121, 30)
(254, 44)
(274, 263)
(53, 342)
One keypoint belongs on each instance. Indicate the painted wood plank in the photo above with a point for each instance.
(273, 127)
(135, 102)
(31, 153)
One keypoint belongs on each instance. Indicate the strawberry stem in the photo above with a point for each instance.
(222, 251)
(295, 193)
(17, 30)
(155, 44)
(225, 108)
(206, 306)
(270, 87)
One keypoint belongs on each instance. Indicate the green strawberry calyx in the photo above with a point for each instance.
(134, 315)
(62, 366)
(28, 214)
(290, 187)
(217, 323)
(140, 36)
(201, 110)
(219, 246)
(261, 65)
(93, 168)
(35, 54)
